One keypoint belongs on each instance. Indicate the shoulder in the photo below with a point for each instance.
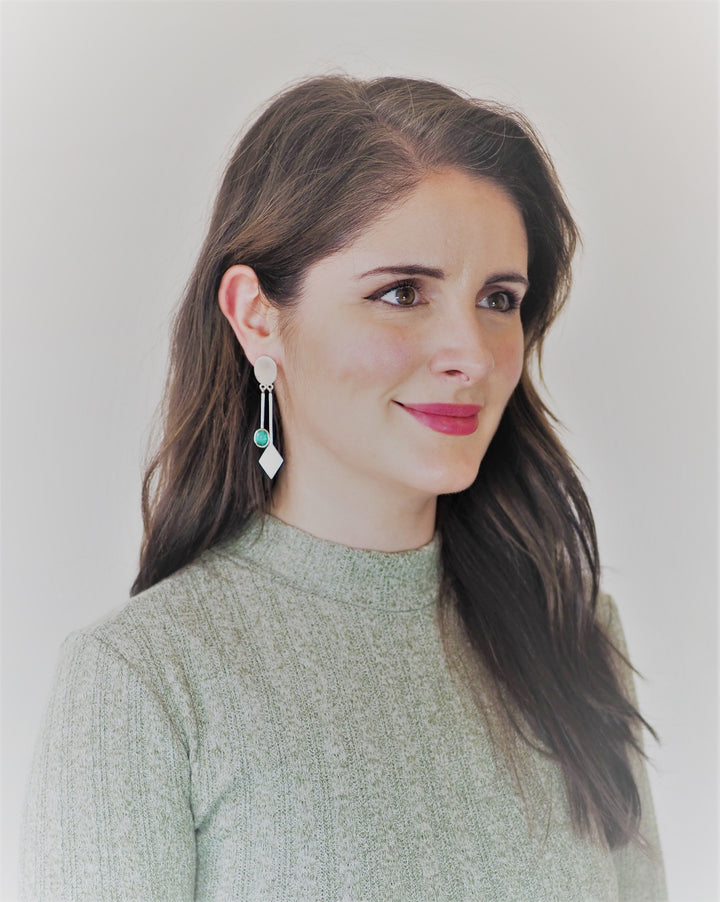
(606, 611)
(607, 617)
(211, 580)
(163, 633)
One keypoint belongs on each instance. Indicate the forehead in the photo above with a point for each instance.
(452, 220)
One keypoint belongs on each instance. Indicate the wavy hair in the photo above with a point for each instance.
(323, 161)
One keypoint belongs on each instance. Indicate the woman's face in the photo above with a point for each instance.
(421, 310)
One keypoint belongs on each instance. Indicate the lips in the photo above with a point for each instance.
(446, 410)
(450, 419)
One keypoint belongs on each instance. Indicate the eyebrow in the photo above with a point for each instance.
(414, 269)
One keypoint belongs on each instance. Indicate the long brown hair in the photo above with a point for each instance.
(323, 161)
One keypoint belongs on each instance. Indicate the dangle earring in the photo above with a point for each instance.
(266, 373)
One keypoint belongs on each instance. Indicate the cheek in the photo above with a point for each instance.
(366, 359)
(509, 359)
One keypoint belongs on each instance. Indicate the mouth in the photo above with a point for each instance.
(450, 419)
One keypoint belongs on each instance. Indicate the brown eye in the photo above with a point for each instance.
(404, 295)
(502, 301)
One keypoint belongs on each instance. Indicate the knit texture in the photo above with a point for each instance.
(280, 721)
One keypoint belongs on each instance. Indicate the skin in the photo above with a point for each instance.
(359, 469)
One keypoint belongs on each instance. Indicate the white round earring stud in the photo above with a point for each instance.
(265, 370)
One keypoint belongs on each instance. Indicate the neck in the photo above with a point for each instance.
(359, 516)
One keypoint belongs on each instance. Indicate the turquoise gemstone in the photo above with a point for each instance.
(261, 438)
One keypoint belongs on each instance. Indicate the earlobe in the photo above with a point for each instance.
(249, 313)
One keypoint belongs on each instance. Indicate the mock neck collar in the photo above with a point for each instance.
(391, 581)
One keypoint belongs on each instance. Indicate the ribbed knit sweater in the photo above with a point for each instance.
(280, 721)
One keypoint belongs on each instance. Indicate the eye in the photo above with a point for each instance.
(402, 296)
(502, 301)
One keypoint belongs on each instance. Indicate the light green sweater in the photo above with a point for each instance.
(279, 721)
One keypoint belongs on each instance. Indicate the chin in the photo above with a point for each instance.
(448, 480)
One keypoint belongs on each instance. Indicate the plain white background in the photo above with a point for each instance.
(117, 119)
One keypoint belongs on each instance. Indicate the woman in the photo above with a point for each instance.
(367, 656)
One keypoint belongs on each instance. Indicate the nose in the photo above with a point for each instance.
(462, 350)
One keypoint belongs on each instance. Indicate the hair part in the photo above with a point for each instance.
(325, 159)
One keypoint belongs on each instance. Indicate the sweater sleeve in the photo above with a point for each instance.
(108, 812)
(639, 866)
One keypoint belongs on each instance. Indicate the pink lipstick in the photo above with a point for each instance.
(451, 419)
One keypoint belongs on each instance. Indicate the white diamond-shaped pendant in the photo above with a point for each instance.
(270, 460)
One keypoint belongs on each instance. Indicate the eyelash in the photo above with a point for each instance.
(514, 298)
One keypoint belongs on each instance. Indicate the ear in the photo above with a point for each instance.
(251, 315)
